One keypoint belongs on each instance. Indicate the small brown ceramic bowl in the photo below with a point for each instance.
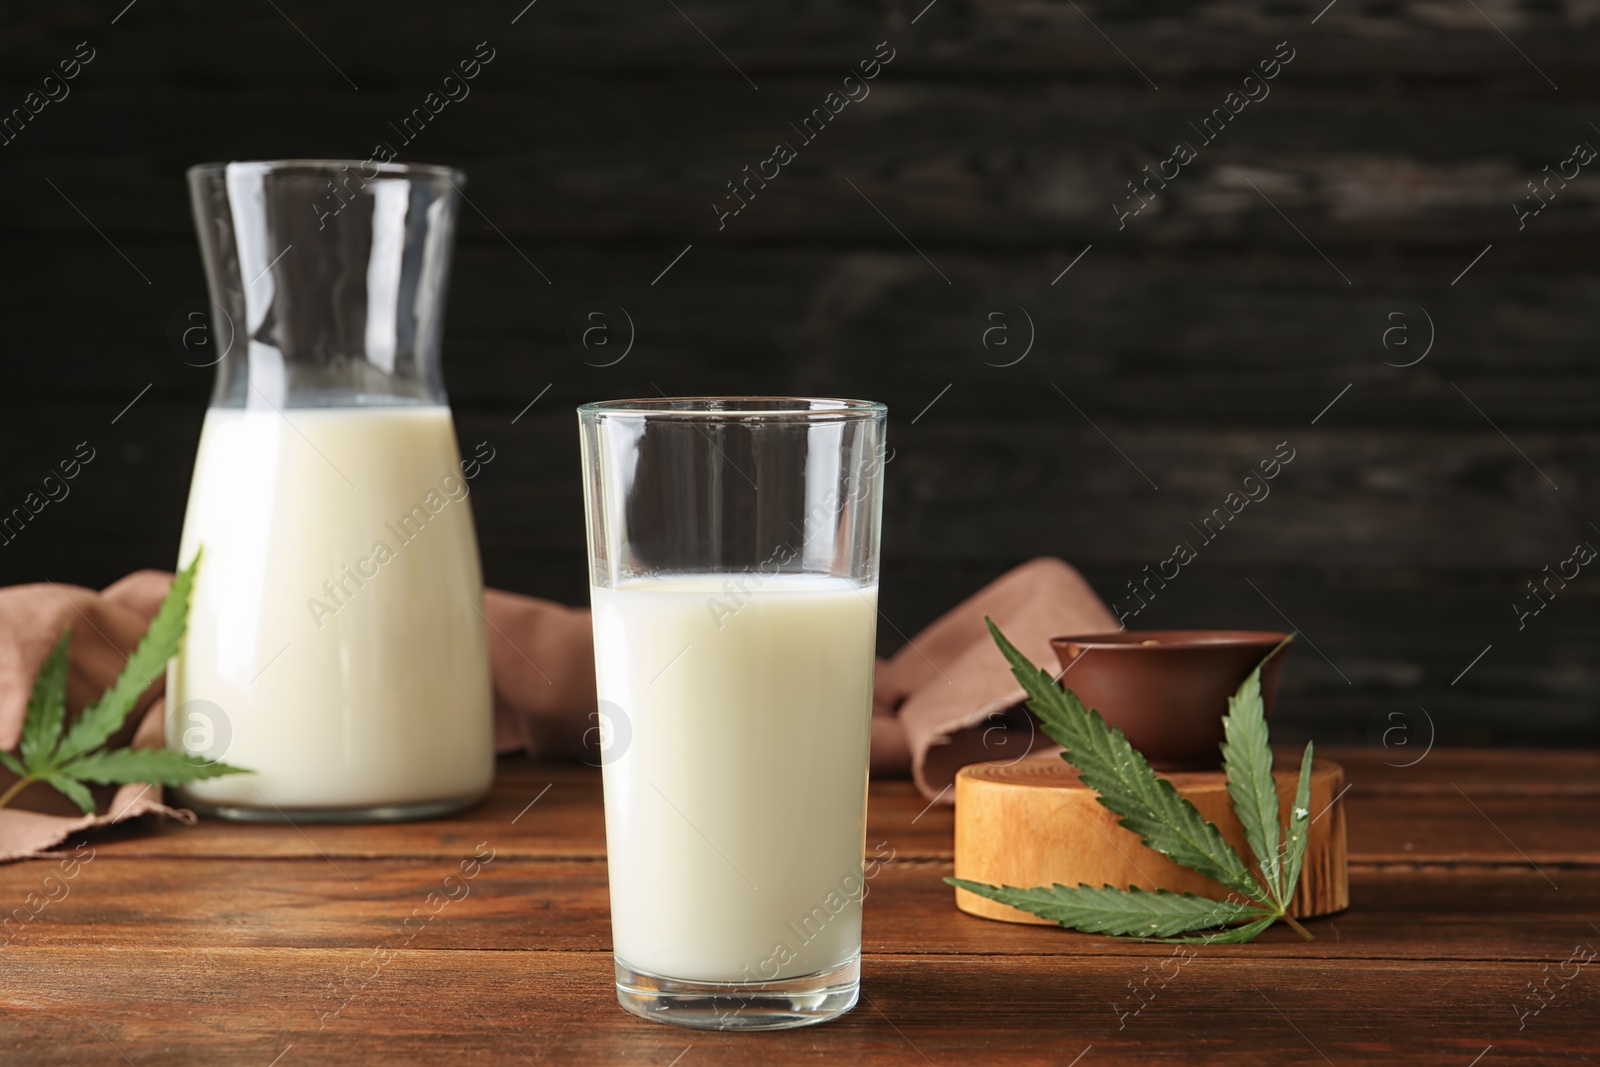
(1167, 690)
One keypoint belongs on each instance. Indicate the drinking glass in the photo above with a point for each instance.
(336, 644)
(733, 564)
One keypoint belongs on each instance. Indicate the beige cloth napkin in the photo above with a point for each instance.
(944, 700)
(952, 693)
(105, 627)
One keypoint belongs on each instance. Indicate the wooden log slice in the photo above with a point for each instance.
(1034, 823)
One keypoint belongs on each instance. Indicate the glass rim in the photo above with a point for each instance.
(416, 171)
(713, 409)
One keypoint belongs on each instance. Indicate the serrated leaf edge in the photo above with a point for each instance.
(1247, 763)
(159, 643)
(1096, 910)
(1280, 865)
(47, 708)
(1110, 747)
(1299, 829)
(184, 767)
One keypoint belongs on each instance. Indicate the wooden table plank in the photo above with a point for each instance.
(187, 1006)
(225, 942)
(564, 820)
(1547, 803)
(1478, 772)
(534, 905)
(1485, 829)
(522, 817)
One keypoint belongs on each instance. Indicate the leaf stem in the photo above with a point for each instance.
(1279, 647)
(1297, 928)
(16, 787)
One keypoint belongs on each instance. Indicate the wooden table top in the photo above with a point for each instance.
(1475, 894)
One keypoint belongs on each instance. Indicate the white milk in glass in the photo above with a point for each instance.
(736, 771)
(335, 621)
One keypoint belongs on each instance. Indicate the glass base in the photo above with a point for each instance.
(427, 809)
(776, 1005)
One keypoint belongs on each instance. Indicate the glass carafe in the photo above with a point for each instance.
(336, 644)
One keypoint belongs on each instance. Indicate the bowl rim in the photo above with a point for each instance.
(1169, 640)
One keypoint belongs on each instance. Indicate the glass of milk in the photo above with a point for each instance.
(336, 642)
(733, 559)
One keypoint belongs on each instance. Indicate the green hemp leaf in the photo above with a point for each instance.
(1166, 822)
(65, 763)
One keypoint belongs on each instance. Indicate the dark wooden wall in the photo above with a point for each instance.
(1214, 326)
